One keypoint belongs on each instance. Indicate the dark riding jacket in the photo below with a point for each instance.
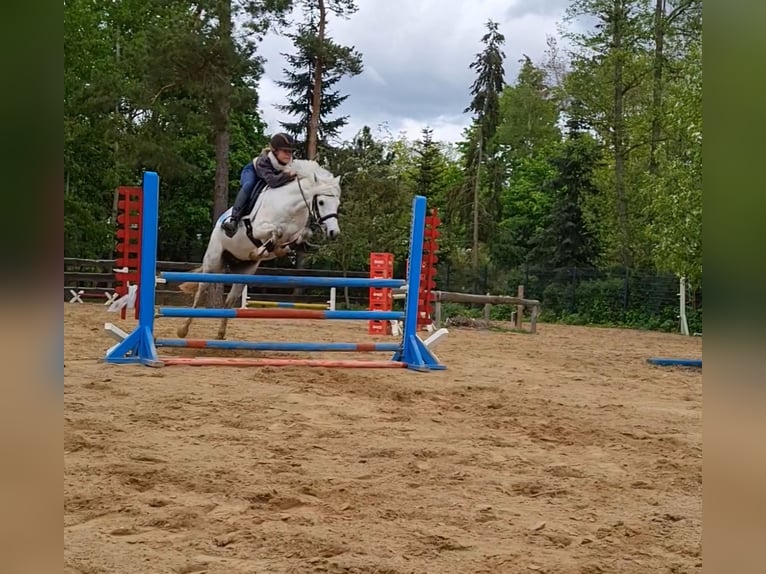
(267, 173)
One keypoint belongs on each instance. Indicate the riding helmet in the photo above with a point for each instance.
(282, 141)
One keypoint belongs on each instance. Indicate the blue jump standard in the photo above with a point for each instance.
(283, 280)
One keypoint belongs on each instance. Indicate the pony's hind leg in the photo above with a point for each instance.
(212, 262)
(183, 330)
(235, 296)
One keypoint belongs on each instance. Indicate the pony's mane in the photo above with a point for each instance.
(309, 167)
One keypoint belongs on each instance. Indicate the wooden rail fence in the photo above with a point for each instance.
(95, 278)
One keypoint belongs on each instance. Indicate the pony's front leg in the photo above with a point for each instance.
(269, 245)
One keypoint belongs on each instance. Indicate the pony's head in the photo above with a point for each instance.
(325, 203)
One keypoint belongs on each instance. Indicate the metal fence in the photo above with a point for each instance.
(617, 296)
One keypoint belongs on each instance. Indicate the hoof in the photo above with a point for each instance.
(182, 332)
(259, 254)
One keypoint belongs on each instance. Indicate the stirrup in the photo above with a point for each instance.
(267, 247)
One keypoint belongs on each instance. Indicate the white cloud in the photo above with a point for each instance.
(416, 59)
(269, 95)
(445, 128)
(373, 74)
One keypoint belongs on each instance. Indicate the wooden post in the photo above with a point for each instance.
(487, 310)
(520, 308)
(682, 309)
(438, 314)
(533, 319)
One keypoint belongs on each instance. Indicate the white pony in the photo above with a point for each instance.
(280, 219)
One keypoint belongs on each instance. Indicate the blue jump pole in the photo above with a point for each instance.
(282, 280)
(246, 313)
(138, 347)
(277, 346)
(663, 362)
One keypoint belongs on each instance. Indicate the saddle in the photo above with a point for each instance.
(260, 185)
(269, 245)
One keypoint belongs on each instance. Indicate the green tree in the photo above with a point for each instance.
(429, 164)
(376, 206)
(528, 113)
(319, 64)
(141, 92)
(666, 27)
(98, 37)
(526, 202)
(609, 82)
(202, 56)
(527, 137)
(676, 207)
(567, 239)
(486, 88)
(338, 62)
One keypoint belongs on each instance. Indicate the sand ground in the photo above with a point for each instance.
(561, 452)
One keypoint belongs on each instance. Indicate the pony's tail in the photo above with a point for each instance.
(190, 287)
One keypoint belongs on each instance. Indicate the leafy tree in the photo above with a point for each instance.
(96, 35)
(676, 206)
(528, 113)
(608, 81)
(376, 204)
(527, 136)
(666, 26)
(526, 202)
(203, 57)
(141, 92)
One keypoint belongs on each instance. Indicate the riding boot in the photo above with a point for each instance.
(232, 223)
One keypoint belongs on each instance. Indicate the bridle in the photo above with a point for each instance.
(315, 220)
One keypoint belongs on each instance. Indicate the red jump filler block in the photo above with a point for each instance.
(128, 248)
(381, 299)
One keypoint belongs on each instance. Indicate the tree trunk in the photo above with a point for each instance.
(316, 95)
(221, 193)
(221, 110)
(475, 244)
(618, 137)
(659, 41)
(300, 263)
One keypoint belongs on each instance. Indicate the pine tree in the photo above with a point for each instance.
(317, 65)
(567, 239)
(339, 61)
(489, 82)
(485, 105)
(429, 164)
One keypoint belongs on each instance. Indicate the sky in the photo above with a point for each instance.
(416, 56)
